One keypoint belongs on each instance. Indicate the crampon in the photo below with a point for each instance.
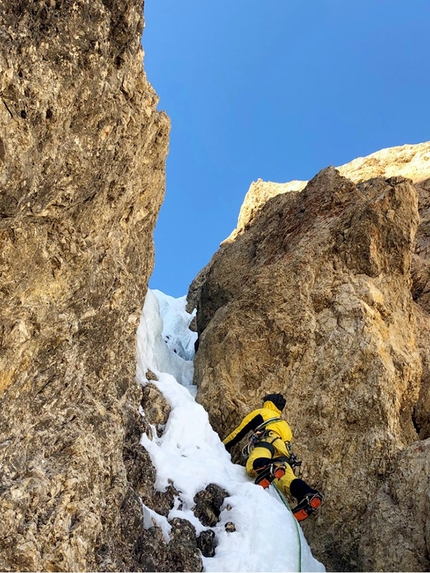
(307, 506)
(268, 473)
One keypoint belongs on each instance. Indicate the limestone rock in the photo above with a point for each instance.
(82, 174)
(399, 516)
(181, 553)
(194, 290)
(183, 548)
(156, 409)
(409, 161)
(421, 294)
(206, 543)
(313, 299)
(258, 193)
(208, 504)
(422, 408)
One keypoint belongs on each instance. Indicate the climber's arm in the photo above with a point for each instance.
(248, 424)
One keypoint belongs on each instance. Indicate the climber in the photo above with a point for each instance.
(270, 456)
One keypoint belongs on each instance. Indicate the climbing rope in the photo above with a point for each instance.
(299, 541)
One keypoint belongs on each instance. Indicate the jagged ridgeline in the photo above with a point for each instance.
(322, 293)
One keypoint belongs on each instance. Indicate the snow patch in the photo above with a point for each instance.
(152, 518)
(190, 455)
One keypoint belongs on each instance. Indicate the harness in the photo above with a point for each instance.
(260, 436)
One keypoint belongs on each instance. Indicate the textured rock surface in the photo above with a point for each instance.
(313, 298)
(181, 553)
(259, 192)
(409, 161)
(421, 294)
(208, 504)
(399, 516)
(82, 153)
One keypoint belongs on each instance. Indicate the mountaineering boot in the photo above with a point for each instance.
(310, 503)
(278, 470)
(267, 474)
(263, 477)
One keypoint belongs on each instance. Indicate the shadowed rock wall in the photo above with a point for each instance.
(397, 519)
(82, 174)
(313, 297)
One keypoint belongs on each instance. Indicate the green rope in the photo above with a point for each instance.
(299, 541)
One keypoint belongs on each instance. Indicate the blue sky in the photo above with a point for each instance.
(277, 90)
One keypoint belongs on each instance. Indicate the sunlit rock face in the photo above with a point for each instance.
(323, 295)
(409, 161)
(82, 155)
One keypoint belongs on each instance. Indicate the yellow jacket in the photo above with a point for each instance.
(277, 429)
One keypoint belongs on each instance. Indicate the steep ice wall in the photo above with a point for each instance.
(214, 504)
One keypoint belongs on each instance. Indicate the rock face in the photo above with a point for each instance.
(410, 161)
(318, 295)
(404, 502)
(82, 154)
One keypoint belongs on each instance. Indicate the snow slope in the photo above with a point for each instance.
(191, 454)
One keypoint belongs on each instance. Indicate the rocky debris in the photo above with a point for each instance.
(230, 527)
(313, 299)
(141, 473)
(82, 176)
(206, 543)
(207, 509)
(180, 553)
(397, 537)
(183, 549)
(154, 551)
(149, 375)
(208, 504)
